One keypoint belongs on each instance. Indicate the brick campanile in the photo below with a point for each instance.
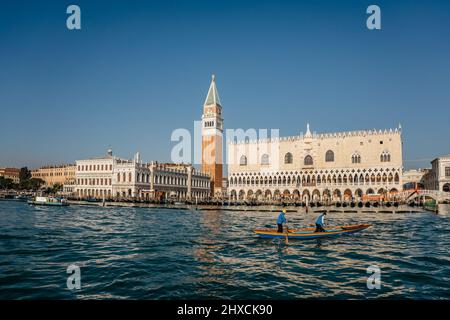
(212, 133)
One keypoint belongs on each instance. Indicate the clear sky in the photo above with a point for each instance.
(137, 70)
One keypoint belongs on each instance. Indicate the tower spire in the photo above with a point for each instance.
(213, 95)
(308, 131)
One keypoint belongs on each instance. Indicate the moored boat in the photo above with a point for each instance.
(308, 233)
(21, 197)
(48, 201)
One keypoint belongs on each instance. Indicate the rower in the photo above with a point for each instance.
(281, 219)
(320, 222)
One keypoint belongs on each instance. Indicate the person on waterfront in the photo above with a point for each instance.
(281, 219)
(320, 222)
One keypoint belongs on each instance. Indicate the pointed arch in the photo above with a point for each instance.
(308, 161)
(347, 194)
(359, 193)
(396, 178)
(316, 195)
(329, 156)
(288, 159)
(385, 156)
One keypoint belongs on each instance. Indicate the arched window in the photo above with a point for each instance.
(308, 161)
(329, 156)
(356, 158)
(385, 156)
(265, 159)
(288, 158)
(243, 161)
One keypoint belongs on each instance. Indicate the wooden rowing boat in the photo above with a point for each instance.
(308, 233)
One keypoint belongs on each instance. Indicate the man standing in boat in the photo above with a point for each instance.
(281, 219)
(320, 223)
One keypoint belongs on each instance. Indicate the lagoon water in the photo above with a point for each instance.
(142, 253)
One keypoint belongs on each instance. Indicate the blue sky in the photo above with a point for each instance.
(140, 69)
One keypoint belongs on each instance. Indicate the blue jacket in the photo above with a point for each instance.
(319, 220)
(281, 218)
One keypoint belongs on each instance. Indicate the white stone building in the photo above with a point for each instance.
(113, 177)
(414, 179)
(317, 167)
(94, 177)
(130, 178)
(179, 181)
(438, 178)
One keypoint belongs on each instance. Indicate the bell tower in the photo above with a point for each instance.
(212, 133)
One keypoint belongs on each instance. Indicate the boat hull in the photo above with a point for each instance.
(308, 233)
(54, 204)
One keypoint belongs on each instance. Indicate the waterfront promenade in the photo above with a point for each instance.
(445, 208)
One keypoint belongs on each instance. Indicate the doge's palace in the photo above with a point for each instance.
(340, 166)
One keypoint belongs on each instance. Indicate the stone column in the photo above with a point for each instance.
(152, 176)
(189, 182)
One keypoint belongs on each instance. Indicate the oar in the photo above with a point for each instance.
(287, 232)
(359, 226)
(350, 227)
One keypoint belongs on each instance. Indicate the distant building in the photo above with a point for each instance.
(438, 178)
(94, 176)
(130, 177)
(414, 179)
(178, 181)
(327, 166)
(60, 174)
(10, 173)
(113, 177)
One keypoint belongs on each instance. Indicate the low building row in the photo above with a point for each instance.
(63, 175)
(113, 177)
(10, 173)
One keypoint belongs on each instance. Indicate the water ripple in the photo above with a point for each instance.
(138, 253)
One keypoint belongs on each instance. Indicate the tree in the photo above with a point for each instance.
(57, 187)
(24, 174)
(6, 183)
(34, 184)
